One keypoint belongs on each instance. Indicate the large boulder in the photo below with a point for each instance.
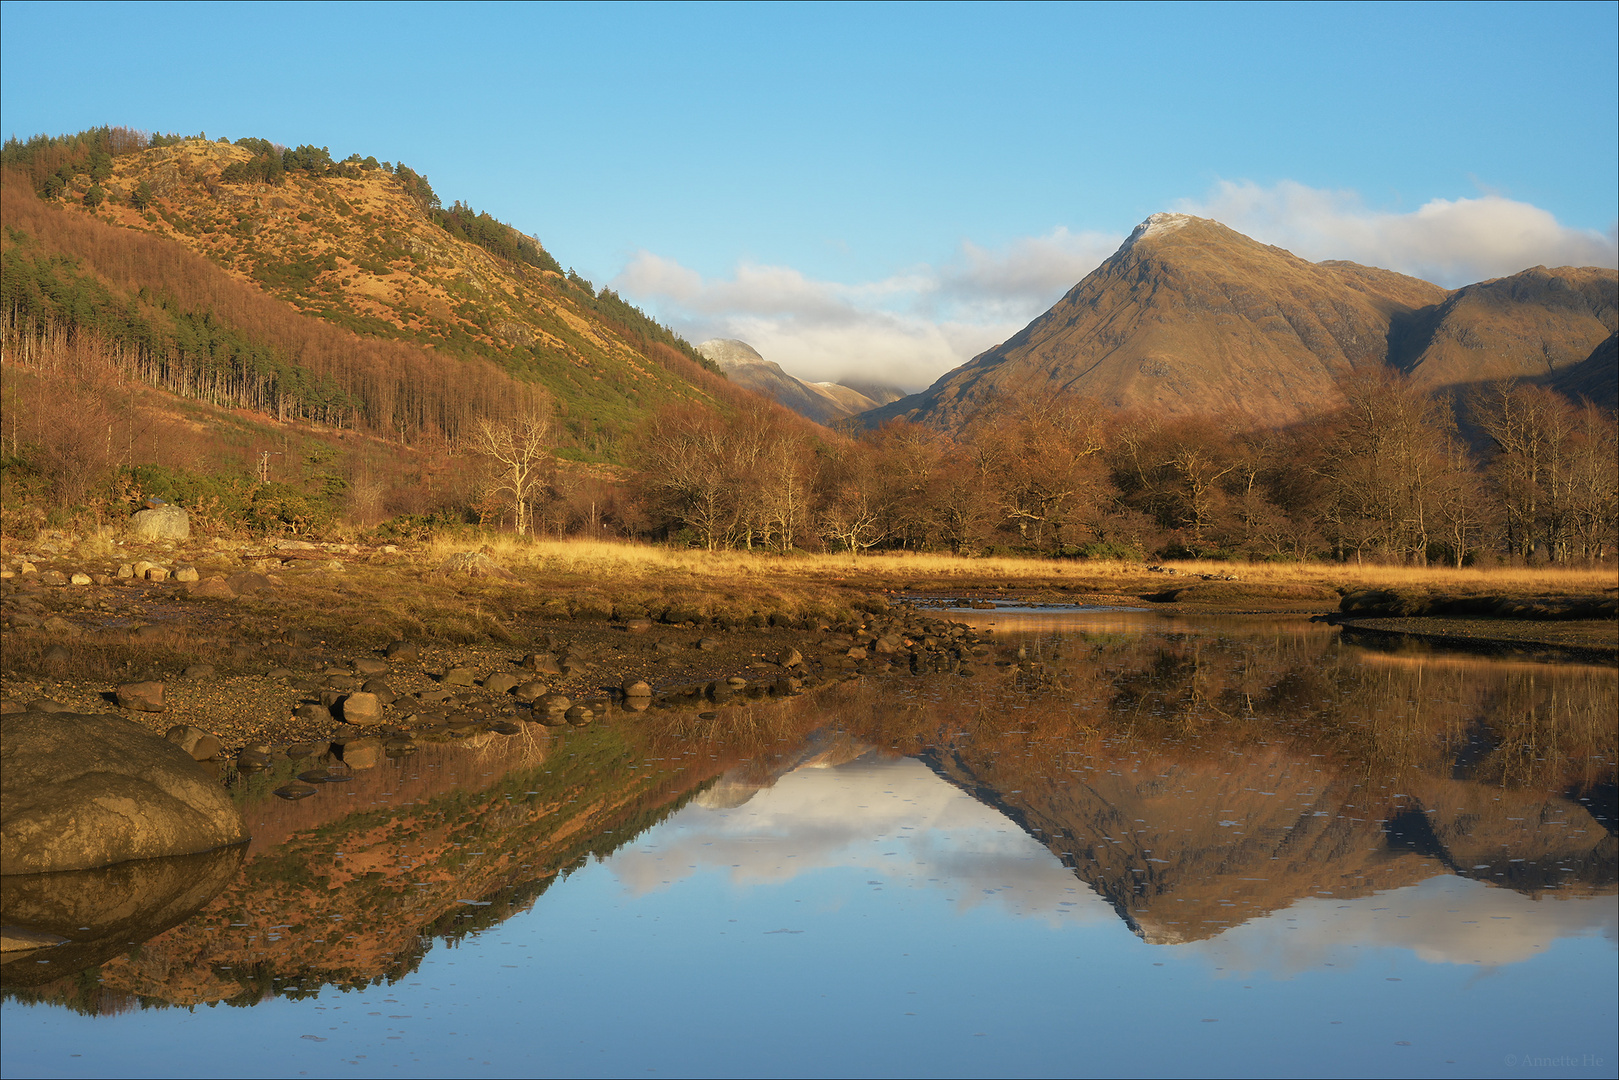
(79, 792)
(61, 924)
(160, 523)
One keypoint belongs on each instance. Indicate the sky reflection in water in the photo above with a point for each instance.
(845, 910)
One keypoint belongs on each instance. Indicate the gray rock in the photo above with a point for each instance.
(186, 574)
(530, 690)
(370, 665)
(199, 671)
(78, 792)
(542, 663)
(320, 714)
(708, 644)
(403, 651)
(160, 523)
(9, 706)
(141, 696)
(500, 683)
(248, 583)
(362, 753)
(213, 588)
(637, 689)
(47, 705)
(362, 709)
(791, 658)
(459, 676)
(201, 745)
(554, 703)
(86, 917)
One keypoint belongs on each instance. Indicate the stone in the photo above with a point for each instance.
(637, 689)
(638, 626)
(856, 653)
(554, 702)
(345, 683)
(791, 658)
(214, 588)
(294, 791)
(543, 663)
(79, 579)
(318, 714)
(201, 745)
(500, 683)
(530, 690)
(459, 676)
(403, 651)
(60, 627)
(157, 573)
(126, 571)
(578, 715)
(249, 758)
(141, 567)
(78, 792)
(53, 577)
(737, 682)
(27, 568)
(47, 705)
(370, 665)
(79, 919)
(381, 689)
(361, 753)
(362, 708)
(9, 706)
(199, 671)
(186, 574)
(249, 583)
(708, 644)
(160, 523)
(57, 654)
(141, 696)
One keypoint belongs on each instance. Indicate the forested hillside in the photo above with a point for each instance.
(359, 245)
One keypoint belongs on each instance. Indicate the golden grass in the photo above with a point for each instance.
(616, 563)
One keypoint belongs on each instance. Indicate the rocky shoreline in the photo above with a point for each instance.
(302, 696)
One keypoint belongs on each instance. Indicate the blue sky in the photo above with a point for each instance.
(889, 189)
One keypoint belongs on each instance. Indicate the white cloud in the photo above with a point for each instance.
(907, 329)
(1444, 920)
(894, 819)
(912, 327)
(1449, 241)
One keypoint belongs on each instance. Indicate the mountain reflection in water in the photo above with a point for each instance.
(1256, 791)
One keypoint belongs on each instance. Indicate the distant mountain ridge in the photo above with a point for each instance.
(1191, 317)
(825, 402)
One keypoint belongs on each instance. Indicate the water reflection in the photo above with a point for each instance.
(1226, 786)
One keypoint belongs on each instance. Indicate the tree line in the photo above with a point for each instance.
(1386, 476)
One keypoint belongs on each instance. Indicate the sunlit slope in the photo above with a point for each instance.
(360, 251)
(1190, 317)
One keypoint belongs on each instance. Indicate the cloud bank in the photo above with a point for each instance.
(912, 327)
(1452, 242)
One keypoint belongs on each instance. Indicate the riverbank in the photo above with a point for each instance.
(243, 634)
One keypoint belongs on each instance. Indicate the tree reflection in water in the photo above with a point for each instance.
(1195, 775)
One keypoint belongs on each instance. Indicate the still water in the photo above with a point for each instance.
(1124, 845)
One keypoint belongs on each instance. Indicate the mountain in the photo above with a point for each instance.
(825, 403)
(1191, 317)
(1535, 323)
(359, 245)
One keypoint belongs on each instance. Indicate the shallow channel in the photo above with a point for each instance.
(1125, 845)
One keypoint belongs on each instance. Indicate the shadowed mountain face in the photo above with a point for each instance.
(825, 403)
(1533, 324)
(1189, 317)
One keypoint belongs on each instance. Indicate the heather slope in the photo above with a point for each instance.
(1189, 317)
